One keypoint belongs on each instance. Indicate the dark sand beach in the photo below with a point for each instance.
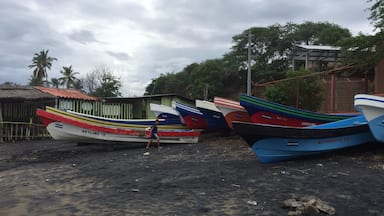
(217, 176)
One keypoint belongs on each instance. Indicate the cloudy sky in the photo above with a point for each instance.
(140, 39)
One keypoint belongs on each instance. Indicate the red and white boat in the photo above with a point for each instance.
(192, 117)
(81, 129)
(232, 110)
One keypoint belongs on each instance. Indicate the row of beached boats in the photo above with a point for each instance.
(274, 131)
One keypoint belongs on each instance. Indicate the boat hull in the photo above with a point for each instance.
(67, 132)
(115, 123)
(61, 127)
(272, 143)
(165, 112)
(267, 112)
(271, 150)
(373, 109)
(192, 117)
(212, 115)
(232, 111)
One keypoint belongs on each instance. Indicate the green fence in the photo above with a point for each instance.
(97, 108)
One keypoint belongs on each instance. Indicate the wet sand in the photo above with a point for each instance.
(217, 176)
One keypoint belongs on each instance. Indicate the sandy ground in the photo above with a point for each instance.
(217, 176)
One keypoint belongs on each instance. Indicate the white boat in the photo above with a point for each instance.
(119, 123)
(76, 128)
(372, 107)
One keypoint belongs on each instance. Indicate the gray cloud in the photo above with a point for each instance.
(83, 36)
(119, 55)
(142, 39)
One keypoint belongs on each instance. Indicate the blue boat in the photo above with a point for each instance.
(273, 143)
(165, 112)
(212, 115)
(372, 106)
(192, 117)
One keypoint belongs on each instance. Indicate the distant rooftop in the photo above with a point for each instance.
(318, 47)
(316, 53)
(66, 93)
(22, 93)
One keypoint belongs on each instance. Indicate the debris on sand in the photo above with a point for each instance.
(308, 205)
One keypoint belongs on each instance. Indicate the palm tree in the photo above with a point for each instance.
(68, 79)
(55, 82)
(34, 81)
(41, 62)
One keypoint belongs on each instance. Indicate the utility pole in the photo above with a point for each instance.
(249, 64)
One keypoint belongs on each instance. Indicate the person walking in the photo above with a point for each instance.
(154, 135)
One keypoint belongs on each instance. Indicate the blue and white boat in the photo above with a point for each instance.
(212, 115)
(165, 112)
(272, 143)
(192, 117)
(372, 107)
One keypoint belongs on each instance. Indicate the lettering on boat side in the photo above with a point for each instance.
(292, 143)
(281, 118)
(267, 117)
(92, 132)
(239, 115)
(329, 141)
(58, 125)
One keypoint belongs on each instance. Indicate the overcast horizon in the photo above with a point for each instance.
(139, 40)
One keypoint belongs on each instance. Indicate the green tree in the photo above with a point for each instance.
(268, 53)
(35, 81)
(204, 81)
(55, 83)
(299, 90)
(41, 62)
(102, 83)
(321, 33)
(68, 78)
(271, 48)
(109, 86)
(360, 50)
(365, 51)
(377, 14)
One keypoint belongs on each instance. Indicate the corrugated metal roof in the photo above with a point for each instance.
(318, 47)
(66, 93)
(22, 93)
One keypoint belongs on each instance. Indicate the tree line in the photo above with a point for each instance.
(271, 51)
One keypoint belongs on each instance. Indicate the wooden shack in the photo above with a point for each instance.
(18, 105)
